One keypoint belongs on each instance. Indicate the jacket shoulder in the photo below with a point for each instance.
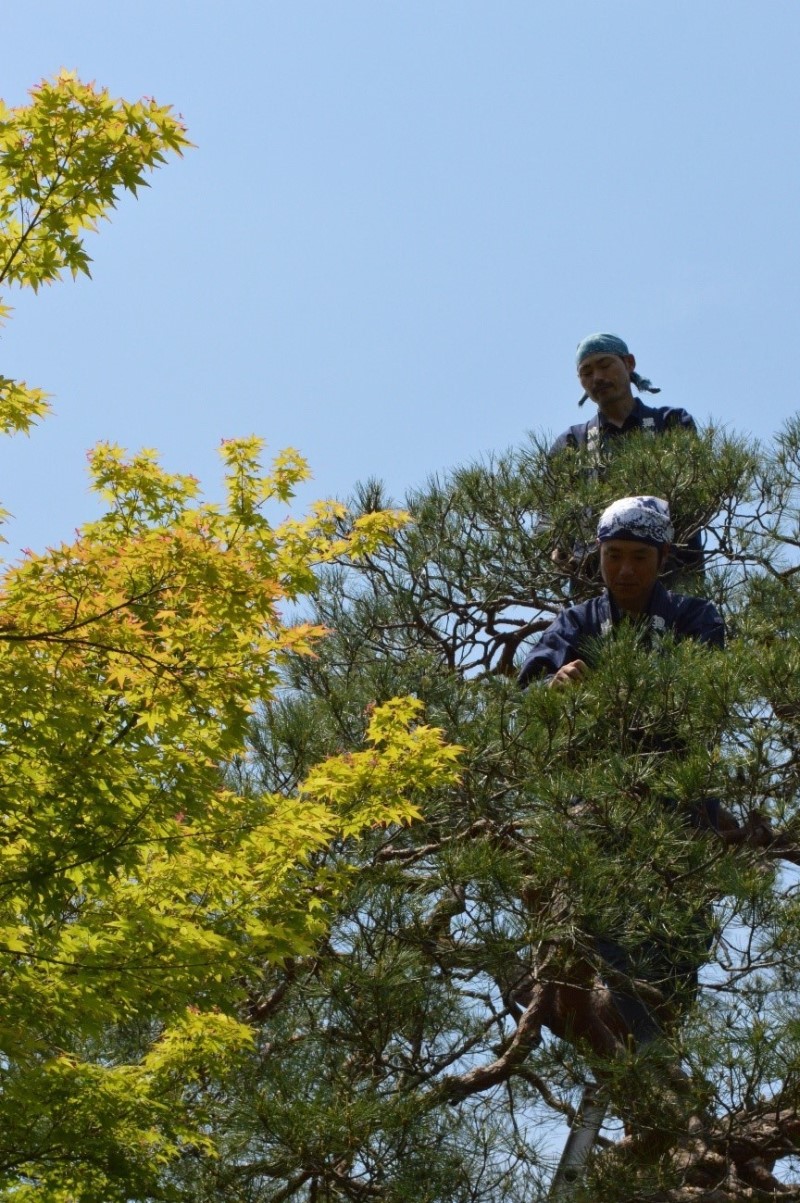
(668, 416)
(696, 618)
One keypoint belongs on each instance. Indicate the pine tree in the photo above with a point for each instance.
(413, 1055)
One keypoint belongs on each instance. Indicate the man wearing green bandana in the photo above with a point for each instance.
(607, 372)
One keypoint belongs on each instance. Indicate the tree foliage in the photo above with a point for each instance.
(64, 158)
(264, 933)
(142, 891)
(413, 1054)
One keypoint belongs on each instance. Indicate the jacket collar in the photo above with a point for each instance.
(638, 416)
(656, 615)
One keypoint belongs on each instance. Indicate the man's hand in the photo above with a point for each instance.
(759, 829)
(755, 832)
(571, 674)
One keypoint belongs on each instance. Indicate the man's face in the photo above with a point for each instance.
(607, 378)
(630, 570)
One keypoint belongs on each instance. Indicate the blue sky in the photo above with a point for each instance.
(399, 220)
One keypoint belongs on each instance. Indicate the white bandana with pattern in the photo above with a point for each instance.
(646, 519)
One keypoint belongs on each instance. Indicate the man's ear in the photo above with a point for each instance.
(630, 362)
(664, 556)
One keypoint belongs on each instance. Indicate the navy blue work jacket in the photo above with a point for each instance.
(599, 432)
(567, 636)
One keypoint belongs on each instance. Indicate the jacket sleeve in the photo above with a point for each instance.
(559, 645)
(679, 417)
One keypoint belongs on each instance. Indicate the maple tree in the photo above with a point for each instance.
(141, 891)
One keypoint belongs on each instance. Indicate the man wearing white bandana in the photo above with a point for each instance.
(634, 536)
